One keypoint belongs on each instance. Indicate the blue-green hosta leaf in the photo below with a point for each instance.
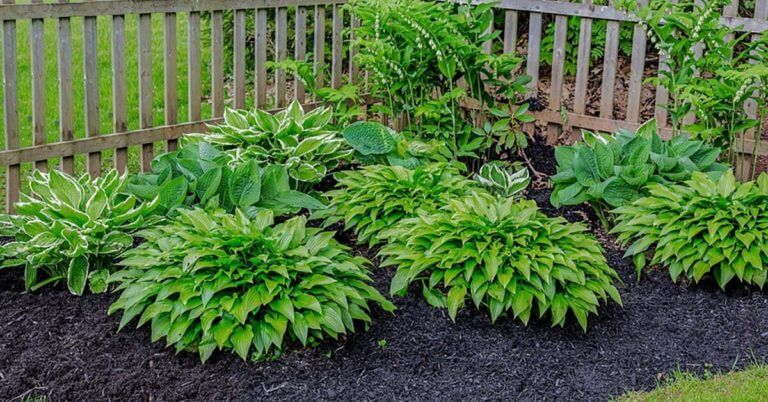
(369, 138)
(172, 193)
(585, 166)
(245, 185)
(618, 193)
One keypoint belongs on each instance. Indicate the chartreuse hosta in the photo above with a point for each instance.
(701, 228)
(305, 143)
(503, 255)
(200, 175)
(376, 197)
(70, 230)
(611, 171)
(213, 280)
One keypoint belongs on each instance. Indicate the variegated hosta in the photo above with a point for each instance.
(503, 178)
(72, 229)
(305, 143)
(701, 228)
(213, 280)
(376, 197)
(504, 255)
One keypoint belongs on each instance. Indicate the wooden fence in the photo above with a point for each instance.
(307, 18)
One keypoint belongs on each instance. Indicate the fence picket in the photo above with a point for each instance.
(119, 107)
(319, 46)
(170, 78)
(609, 69)
(145, 85)
(194, 91)
(64, 77)
(558, 68)
(510, 31)
(337, 57)
(239, 58)
(300, 51)
(90, 68)
(583, 61)
(37, 70)
(217, 63)
(261, 58)
(281, 53)
(10, 108)
(637, 68)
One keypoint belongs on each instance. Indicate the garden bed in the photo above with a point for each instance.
(67, 347)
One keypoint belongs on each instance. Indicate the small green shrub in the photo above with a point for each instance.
(504, 255)
(611, 171)
(71, 229)
(209, 281)
(376, 197)
(305, 143)
(198, 174)
(377, 144)
(503, 178)
(701, 228)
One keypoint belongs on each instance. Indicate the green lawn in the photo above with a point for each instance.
(105, 82)
(741, 386)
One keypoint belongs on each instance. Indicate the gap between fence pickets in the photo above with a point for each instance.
(119, 140)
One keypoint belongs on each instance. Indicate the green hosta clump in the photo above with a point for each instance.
(701, 228)
(611, 171)
(375, 143)
(305, 143)
(503, 178)
(198, 174)
(376, 197)
(503, 255)
(70, 230)
(213, 280)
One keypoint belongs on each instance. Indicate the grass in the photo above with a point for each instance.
(750, 384)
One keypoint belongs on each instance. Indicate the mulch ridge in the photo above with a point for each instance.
(55, 344)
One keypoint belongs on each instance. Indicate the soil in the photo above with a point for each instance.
(67, 348)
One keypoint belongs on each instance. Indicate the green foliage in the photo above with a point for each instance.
(613, 170)
(198, 174)
(304, 143)
(418, 51)
(503, 178)
(376, 197)
(375, 143)
(209, 281)
(71, 229)
(504, 255)
(704, 227)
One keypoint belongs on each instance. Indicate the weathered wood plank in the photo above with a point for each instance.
(337, 56)
(119, 106)
(90, 68)
(170, 75)
(217, 63)
(194, 91)
(281, 53)
(510, 31)
(534, 50)
(239, 58)
(637, 68)
(37, 70)
(318, 52)
(64, 78)
(145, 86)
(609, 69)
(300, 51)
(558, 70)
(261, 58)
(11, 111)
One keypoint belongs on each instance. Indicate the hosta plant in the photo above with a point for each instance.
(213, 280)
(503, 178)
(504, 256)
(375, 143)
(200, 175)
(611, 171)
(305, 143)
(376, 197)
(710, 228)
(70, 230)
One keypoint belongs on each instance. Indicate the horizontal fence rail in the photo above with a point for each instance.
(167, 73)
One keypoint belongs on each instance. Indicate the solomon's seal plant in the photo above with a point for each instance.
(208, 281)
(611, 171)
(504, 255)
(200, 175)
(503, 178)
(70, 230)
(701, 228)
(376, 197)
(305, 143)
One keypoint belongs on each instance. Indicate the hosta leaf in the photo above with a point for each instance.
(77, 275)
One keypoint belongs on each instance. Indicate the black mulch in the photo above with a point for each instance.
(66, 347)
